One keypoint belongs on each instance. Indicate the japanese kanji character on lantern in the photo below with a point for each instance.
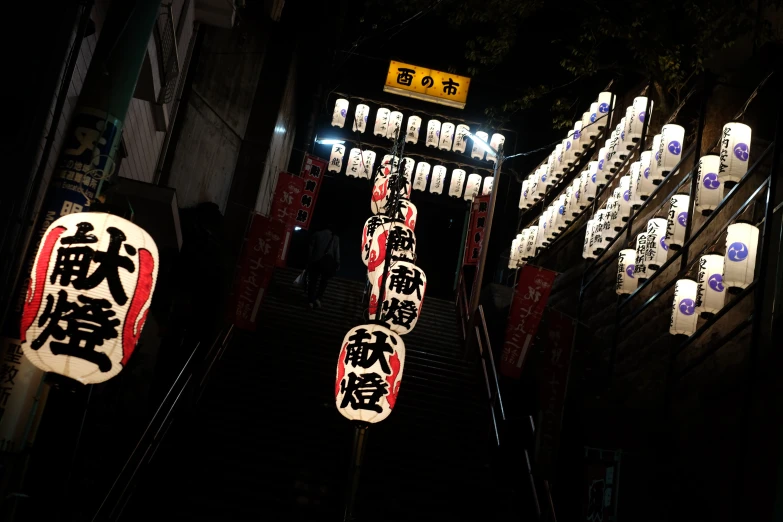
(370, 226)
(369, 373)
(404, 295)
(382, 188)
(88, 296)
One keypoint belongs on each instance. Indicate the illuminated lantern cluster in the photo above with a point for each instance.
(88, 297)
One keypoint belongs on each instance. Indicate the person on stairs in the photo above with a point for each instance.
(324, 261)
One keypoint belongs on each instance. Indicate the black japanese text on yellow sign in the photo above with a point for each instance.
(427, 84)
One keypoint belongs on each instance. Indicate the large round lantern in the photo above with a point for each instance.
(479, 150)
(711, 295)
(340, 111)
(355, 167)
(368, 162)
(88, 296)
(412, 134)
(670, 148)
(336, 158)
(709, 189)
(360, 118)
(605, 105)
(457, 182)
(739, 267)
(438, 179)
(404, 295)
(496, 142)
(461, 138)
(446, 136)
(433, 133)
(395, 124)
(657, 248)
(381, 192)
(369, 373)
(640, 261)
(645, 185)
(684, 317)
(421, 177)
(372, 223)
(398, 239)
(626, 281)
(472, 187)
(677, 220)
(523, 195)
(390, 164)
(406, 213)
(734, 152)
(486, 188)
(587, 248)
(381, 122)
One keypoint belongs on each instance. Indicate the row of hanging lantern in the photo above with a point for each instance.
(372, 357)
(461, 184)
(441, 135)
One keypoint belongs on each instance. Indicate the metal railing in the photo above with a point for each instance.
(168, 59)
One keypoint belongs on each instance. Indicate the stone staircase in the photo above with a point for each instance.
(267, 443)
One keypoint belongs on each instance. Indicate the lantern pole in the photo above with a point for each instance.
(359, 445)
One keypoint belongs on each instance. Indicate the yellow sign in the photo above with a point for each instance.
(427, 84)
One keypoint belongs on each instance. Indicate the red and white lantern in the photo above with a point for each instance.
(372, 223)
(404, 295)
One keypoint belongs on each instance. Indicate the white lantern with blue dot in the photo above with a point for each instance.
(711, 294)
(739, 267)
(684, 317)
(734, 152)
(709, 189)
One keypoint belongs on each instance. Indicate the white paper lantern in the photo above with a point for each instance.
(603, 222)
(645, 185)
(421, 177)
(617, 147)
(734, 152)
(601, 169)
(657, 248)
(635, 175)
(626, 144)
(624, 199)
(626, 282)
(670, 148)
(568, 152)
(369, 373)
(586, 187)
(390, 164)
(336, 158)
(638, 117)
(655, 172)
(576, 140)
(368, 162)
(495, 143)
(584, 140)
(461, 138)
(404, 295)
(710, 295)
(381, 122)
(486, 188)
(340, 111)
(457, 182)
(605, 105)
(360, 118)
(559, 215)
(590, 128)
(587, 248)
(677, 220)
(531, 242)
(398, 239)
(446, 136)
(381, 192)
(739, 267)
(89, 294)
(709, 189)
(407, 213)
(395, 125)
(412, 133)
(438, 179)
(640, 268)
(372, 223)
(577, 201)
(433, 133)
(613, 209)
(591, 185)
(543, 230)
(532, 189)
(514, 253)
(472, 187)
(355, 166)
(407, 168)
(684, 317)
(479, 150)
(521, 253)
(523, 195)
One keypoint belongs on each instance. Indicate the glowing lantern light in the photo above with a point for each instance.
(584, 140)
(677, 220)
(591, 185)
(406, 213)
(381, 122)
(626, 280)
(390, 164)
(360, 118)
(670, 148)
(597, 237)
(624, 199)
(638, 117)
(739, 267)
(590, 128)
(532, 189)
(684, 316)
(372, 223)
(472, 187)
(457, 182)
(531, 242)
(372, 357)
(605, 105)
(399, 239)
(543, 230)
(613, 212)
(657, 248)
(635, 174)
(368, 159)
(626, 143)
(395, 124)
(446, 136)
(568, 152)
(84, 324)
(523, 195)
(587, 249)
(340, 111)
(336, 158)
(710, 295)
(734, 152)
(478, 150)
(514, 253)
(640, 270)
(461, 138)
(576, 140)
(577, 201)
(586, 186)
(486, 189)
(616, 147)
(645, 185)
(438, 179)
(601, 172)
(404, 295)
(709, 189)
(381, 191)
(407, 168)
(433, 133)
(559, 215)
(655, 173)
(495, 143)
(603, 220)
(355, 167)
(412, 134)
(421, 177)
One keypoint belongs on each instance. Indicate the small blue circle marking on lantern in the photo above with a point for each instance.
(561, 210)
(577, 195)
(716, 282)
(642, 116)
(658, 156)
(543, 177)
(622, 135)
(737, 251)
(663, 243)
(601, 165)
(593, 178)
(674, 147)
(604, 107)
(647, 173)
(592, 118)
(342, 113)
(627, 195)
(629, 270)
(711, 181)
(682, 218)
(577, 134)
(687, 307)
(741, 150)
(568, 145)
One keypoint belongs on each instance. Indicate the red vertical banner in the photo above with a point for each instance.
(552, 369)
(312, 174)
(264, 239)
(288, 194)
(527, 307)
(478, 219)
